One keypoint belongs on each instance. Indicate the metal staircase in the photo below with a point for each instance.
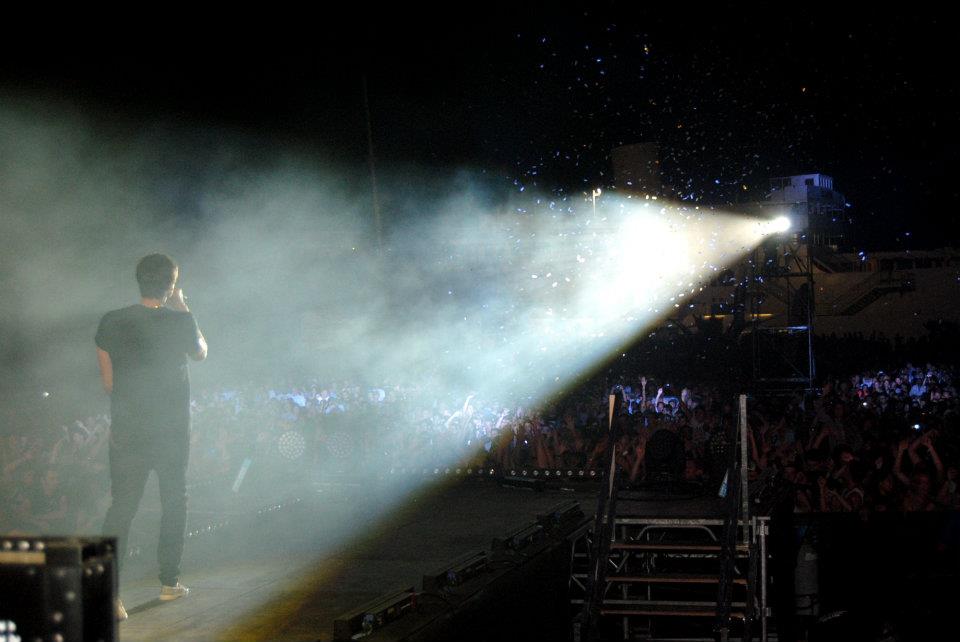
(691, 577)
(875, 286)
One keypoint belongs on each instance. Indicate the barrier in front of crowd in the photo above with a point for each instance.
(555, 474)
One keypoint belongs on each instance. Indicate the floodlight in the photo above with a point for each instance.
(780, 224)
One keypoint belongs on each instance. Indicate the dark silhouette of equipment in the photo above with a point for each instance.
(57, 588)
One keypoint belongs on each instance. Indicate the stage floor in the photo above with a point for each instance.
(289, 574)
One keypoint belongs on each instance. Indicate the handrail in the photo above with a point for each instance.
(603, 533)
(736, 507)
(881, 279)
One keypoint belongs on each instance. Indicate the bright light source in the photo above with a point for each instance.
(780, 224)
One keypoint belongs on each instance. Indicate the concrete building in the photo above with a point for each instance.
(813, 197)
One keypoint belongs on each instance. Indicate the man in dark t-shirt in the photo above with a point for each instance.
(142, 351)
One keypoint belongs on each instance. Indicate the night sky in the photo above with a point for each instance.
(537, 97)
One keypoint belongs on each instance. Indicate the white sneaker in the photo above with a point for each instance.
(168, 593)
(121, 612)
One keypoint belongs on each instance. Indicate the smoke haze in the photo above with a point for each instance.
(475, 289)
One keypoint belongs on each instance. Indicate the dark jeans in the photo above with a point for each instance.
(129, 469)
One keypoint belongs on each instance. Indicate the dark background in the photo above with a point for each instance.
(538, 95)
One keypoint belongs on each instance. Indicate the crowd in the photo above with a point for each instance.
(55, 482)
(876, 441)
(883, 441)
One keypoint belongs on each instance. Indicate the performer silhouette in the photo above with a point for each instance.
(142, 351)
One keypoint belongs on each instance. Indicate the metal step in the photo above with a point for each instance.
(663, 547)
(677, 578)
(679, 523)
(666, 613)
(666, 609)
(771, 637)
(711, 604)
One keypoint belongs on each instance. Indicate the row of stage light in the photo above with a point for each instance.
(446, 590)
(568, 473)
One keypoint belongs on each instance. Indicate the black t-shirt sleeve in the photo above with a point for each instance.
(105, 334)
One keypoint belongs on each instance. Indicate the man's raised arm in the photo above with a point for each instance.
(178, 302)
(106, 369)
(201, 352)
